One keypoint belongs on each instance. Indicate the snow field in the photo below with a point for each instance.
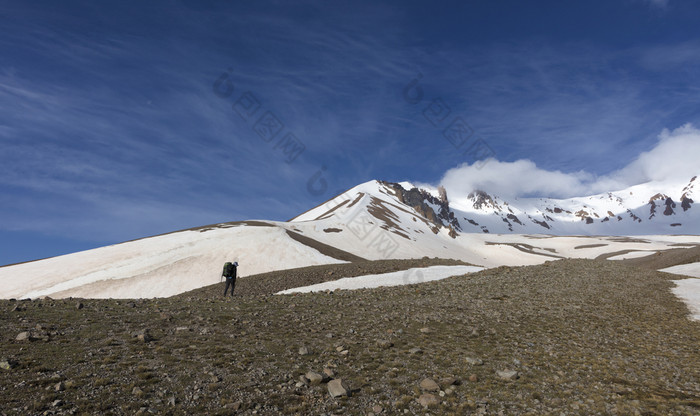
(159, 266)
(406, 277)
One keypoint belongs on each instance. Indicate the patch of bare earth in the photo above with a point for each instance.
(529, 249)
(666, 258)
(273, 282)
(323, 248)
(606, 256)
(589, 246)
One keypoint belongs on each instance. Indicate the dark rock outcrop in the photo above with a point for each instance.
(669, 207)
(421, 201)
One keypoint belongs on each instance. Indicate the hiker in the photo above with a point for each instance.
(230, 274)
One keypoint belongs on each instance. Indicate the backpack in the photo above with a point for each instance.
(229, 269)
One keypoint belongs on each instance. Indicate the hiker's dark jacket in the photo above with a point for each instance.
(231, 271)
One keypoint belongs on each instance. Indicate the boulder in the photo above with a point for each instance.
(428, 384)
(508, 375)
(338, 388)
(427, 400)
(314, 378)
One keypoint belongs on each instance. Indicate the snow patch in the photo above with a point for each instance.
(632, 255)
(688, 290)
(405, 277)
(691, 269)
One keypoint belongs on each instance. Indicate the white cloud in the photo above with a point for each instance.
(673, 158)
(509, 179)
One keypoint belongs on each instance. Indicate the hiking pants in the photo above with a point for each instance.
(230, 281)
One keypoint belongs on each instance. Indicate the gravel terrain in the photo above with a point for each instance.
(273, 282)
(571, 337)
(666, 258)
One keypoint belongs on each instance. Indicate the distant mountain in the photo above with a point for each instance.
(374, 220)
(651, 208)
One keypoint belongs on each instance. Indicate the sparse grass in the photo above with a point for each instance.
(587, 337)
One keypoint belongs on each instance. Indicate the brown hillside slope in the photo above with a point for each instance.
(667, 258)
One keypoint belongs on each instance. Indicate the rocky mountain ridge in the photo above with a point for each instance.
(650, 208)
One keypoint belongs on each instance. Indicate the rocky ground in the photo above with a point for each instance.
(568, 337)
(273, 282)
(666, 258)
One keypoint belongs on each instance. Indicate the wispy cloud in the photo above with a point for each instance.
(110, 121)
(127, 130)
(659, 3)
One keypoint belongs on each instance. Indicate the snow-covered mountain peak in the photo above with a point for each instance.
(373, 220)
(649, 208)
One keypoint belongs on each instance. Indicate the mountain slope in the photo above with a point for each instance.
(374, 220)
(163, 265)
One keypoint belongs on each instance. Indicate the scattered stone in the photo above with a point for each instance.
(426, 400)
(428, 384)
(57, 403)
(304, 351)
(447, 382)
(426, 330)
(7, 364)
(171, 401)
(473, 378)
(339, 348)
(144, 336)
(385, 344)
(328, 372)
(377, 409)
(474, 361)
(79, 305)
(415, 350)
(338, 388)
(508, 374)
(235, 406)
(60, 386)
(23, 336)
(136, 391)
(314, 378)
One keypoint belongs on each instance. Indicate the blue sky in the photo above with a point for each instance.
(112, 127)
